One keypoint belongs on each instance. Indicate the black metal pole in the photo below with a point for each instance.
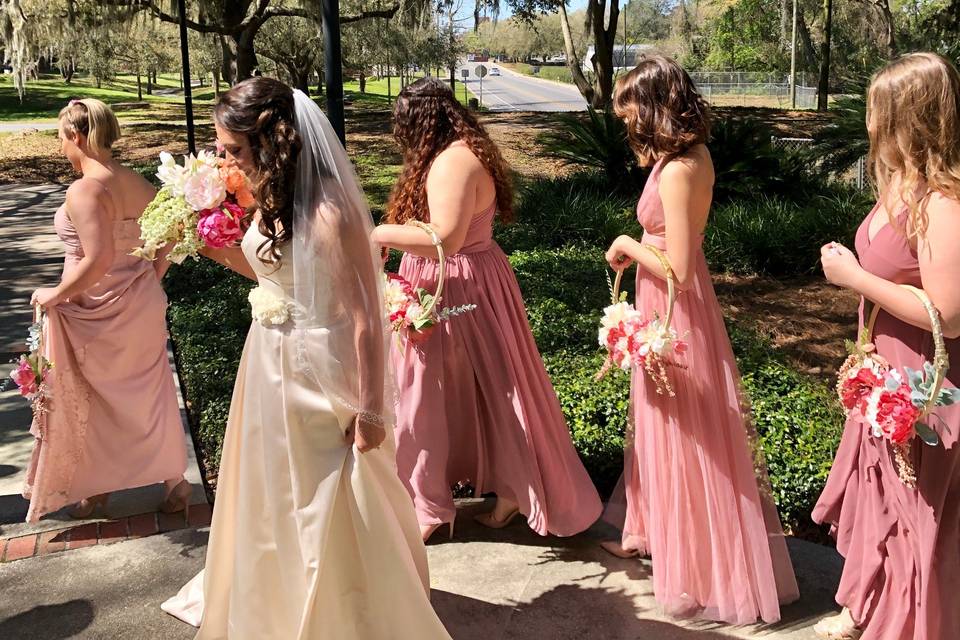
(187, 94)
(332, 62)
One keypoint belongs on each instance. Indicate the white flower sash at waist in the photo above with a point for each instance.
(268, 307)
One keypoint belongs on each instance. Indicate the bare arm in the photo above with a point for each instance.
(452, 198)
(232, 258)
(939, 270)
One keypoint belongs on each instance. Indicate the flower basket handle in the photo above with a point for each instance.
(671, 284)
(442, 269)
(941, 361)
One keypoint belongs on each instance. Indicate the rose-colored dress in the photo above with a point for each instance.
(476, 404)
(697, 495)
(901, 575)
(114, 422)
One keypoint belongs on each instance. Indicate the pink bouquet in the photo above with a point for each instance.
(407, 307)
(33, 370)
(633, 340)
(895, 407)
(202, 202)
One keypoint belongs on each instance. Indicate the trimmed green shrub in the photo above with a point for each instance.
(776, 237)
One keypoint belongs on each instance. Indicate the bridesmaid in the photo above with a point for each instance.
(901, 577)
(694, 501)
(475, 403)
(114, 421)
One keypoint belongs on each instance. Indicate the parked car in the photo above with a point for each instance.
(495, 71)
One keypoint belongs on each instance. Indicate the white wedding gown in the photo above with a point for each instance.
(310, 539)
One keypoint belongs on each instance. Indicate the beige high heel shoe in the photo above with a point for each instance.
(427, 532)
(178, 499)
(490, 521)
(86, 507)
(838, 627)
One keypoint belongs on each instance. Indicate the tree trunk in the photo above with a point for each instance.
(99, 82)
(149, 83)
(823, 87)
(139, 87)
(807, 50)
(363, 82)
(319, 81)
(573, 60)
(604, 38)
(215, 77)
(889, 29)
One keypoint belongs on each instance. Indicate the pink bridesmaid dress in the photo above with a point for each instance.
(114, 421)
(476, 404)
(901, 575)
(697, 498)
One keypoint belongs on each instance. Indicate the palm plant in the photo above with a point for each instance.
(598, 141)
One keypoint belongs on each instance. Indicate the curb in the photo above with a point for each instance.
(105, 532)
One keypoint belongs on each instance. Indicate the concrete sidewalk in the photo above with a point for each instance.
(487, 585)
(33, 257)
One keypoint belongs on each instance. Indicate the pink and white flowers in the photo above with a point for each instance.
(405, 307)
(32, 373)
(633, 340)
(202, 202)
(891, 407)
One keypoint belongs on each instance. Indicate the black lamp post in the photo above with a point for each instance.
(187, 94)
(333, 67)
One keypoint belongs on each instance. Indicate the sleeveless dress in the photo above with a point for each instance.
(114, 422)
(310, 539)
(901, 575)
(697, 496)
(476, 404)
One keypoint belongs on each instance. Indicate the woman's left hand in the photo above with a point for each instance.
(45, 297)
(840, 265)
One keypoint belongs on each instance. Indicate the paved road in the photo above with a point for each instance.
(512, 91)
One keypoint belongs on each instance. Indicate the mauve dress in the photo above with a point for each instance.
(114, 422)
(697, 495)
(901, 575)
(476, 404)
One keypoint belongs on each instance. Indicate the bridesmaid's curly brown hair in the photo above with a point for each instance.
(263, 109)
(428, 119)
(664, 114)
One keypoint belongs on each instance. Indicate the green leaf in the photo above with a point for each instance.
(928, 435)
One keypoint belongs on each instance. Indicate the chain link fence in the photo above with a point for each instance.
(757, 89)
(857, 175)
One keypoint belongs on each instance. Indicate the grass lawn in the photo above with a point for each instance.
(376, 90)
(558, 74)
(45, 97)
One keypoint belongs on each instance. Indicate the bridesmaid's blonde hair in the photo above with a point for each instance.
(913, 121)
(93, 119)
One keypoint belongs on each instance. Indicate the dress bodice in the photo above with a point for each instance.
(480, 233)
(889, 254)
(276, 278)
(126, 235)
(650, 212)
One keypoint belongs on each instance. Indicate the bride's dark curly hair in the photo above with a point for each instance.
(428, 119)
(263, 109)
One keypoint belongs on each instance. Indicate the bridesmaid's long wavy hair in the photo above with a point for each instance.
(263, 109)
(428, 119)
(663, 113)
(913, 121)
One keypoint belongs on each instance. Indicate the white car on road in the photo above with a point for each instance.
(494, 71)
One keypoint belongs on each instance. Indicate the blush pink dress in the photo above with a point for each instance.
(476, 404)
(901, 575)
(114, 422)
(697, 495)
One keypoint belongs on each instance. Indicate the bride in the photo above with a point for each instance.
(313, 534)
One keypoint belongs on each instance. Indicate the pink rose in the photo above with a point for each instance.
(897, 415)
(24, 377)
(856, 390)
(219, 229)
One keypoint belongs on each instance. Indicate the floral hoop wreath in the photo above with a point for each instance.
(864, 354)
(428, 309)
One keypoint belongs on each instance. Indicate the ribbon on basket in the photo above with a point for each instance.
(414, 311)
(631, 338)
(893, 406)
